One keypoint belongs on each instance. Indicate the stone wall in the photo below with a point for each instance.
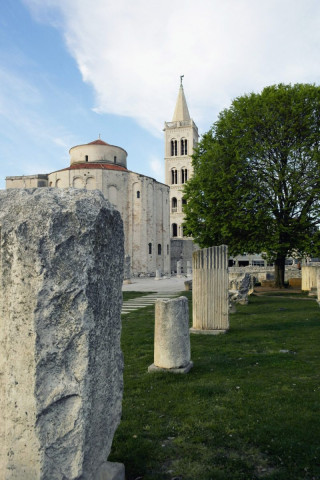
(264, 273)
(144, 207)
(181, 249)
(61, 365)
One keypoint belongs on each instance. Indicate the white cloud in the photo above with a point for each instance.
(132, 53)
(157, 168)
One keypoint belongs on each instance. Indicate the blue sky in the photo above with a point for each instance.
(73, 69)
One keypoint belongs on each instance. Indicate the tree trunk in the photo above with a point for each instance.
(279, 268)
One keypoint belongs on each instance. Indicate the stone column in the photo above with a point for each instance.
(61, 271)
(171, 336)
(179, 266)
(158, 274)
(189, 269)
(127, 270)
(210, 290)
(308, 277)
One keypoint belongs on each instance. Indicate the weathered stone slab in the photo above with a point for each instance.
(61, 273)
(171, 336)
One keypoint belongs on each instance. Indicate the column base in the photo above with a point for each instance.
(153, 368)
(206, 332)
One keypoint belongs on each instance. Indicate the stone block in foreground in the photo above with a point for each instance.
(171, 336)
(61, 363)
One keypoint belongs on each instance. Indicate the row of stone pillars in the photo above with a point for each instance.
(61, 271)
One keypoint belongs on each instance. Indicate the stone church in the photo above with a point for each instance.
(152, 212)
(142, 201)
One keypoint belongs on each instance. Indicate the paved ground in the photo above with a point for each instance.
(149, 284)
(164, 288)
(140, 302)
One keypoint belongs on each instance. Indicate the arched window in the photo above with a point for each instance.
(174, 204)
(184, 175)
(174, 230)
(174, 176)
(114, 159)
(184, 146)
(159, 248)
(86, 158)
(138, 194)
(184, 202)
(150, 248)
(174, 148)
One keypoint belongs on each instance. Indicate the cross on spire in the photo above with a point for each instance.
(181, 77)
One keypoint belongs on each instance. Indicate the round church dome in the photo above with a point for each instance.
(98, 152)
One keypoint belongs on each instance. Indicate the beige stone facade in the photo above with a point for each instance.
(142, 201)
(181, 137)
(27, 181)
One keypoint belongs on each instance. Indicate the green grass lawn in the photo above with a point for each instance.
(249, 408)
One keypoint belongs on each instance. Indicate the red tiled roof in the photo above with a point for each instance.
(100, 166)
(98, 142)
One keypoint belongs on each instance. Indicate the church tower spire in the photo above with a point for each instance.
(181, 112)
(181, 136)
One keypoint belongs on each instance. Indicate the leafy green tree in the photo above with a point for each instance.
(256, 181)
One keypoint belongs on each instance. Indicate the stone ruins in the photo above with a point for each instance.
(241, 288)
(309, 278)
(171, 336)
(61, 363)
(210, 290)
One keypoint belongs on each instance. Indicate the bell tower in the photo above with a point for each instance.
(181, 136)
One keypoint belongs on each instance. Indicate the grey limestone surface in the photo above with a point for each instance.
(61, 256)
(171, 335)
(112, 471)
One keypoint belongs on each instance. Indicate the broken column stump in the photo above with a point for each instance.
(171, 336)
